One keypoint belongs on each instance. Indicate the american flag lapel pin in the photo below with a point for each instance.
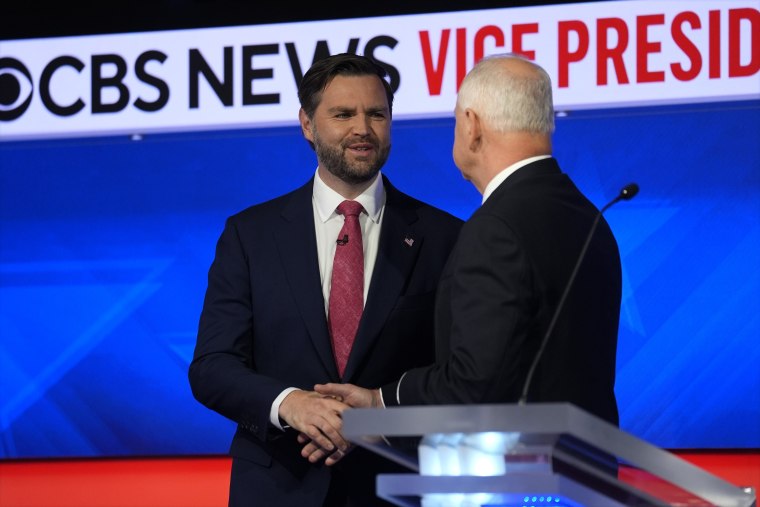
(409, 241)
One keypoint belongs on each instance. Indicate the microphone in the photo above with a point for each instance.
(627, 193)
(342, 241)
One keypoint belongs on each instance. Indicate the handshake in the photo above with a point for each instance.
(317, 416)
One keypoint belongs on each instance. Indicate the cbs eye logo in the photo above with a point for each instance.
(15, 89)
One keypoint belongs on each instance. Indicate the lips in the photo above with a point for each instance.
(361, 147)
(362, 151)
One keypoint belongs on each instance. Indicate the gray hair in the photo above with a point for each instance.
(509, 101)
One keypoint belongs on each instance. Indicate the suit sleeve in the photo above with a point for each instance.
(221, 374)
(488, 300)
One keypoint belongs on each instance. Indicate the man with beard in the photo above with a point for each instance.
(268, 324)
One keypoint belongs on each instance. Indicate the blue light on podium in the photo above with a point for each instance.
(490, 453)
(493, 500)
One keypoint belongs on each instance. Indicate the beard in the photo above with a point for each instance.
(334, 159)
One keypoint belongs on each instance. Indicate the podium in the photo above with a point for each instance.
(527, 456)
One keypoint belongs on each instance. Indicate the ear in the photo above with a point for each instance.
(473, 130)
(306, 125)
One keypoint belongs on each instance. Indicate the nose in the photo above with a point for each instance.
(361, 125)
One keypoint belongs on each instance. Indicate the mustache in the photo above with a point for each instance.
(367, 139)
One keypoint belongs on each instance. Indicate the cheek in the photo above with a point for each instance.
(383, 132)
(456, 150)
(327, 132)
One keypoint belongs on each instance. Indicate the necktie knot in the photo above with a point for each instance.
(350, 208)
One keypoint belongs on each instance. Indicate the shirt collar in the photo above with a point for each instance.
(503, 175)
(327, 199)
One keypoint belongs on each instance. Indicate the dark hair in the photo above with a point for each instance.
(323, 71)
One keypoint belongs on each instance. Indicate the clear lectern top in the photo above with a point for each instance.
(528, 455)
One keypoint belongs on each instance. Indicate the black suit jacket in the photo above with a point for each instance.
(263, 328)
(500, 290)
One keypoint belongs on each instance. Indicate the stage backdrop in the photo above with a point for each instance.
(114, 186)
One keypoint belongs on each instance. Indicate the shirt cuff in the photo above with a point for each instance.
(398, 388)
(274, 412)
(389, 394)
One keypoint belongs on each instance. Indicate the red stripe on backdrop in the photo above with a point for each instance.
(153, 482)
(202, 481)
(739, 467)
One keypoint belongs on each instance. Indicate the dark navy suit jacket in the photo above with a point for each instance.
(263, 328)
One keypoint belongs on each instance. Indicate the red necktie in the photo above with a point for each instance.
(347, 288)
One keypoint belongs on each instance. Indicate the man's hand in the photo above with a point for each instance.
(314, 453)
(318, 419)
(355, 396)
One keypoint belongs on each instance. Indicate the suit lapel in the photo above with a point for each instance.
(296, 242)
(399, 246)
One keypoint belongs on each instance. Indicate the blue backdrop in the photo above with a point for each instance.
(105, 244)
